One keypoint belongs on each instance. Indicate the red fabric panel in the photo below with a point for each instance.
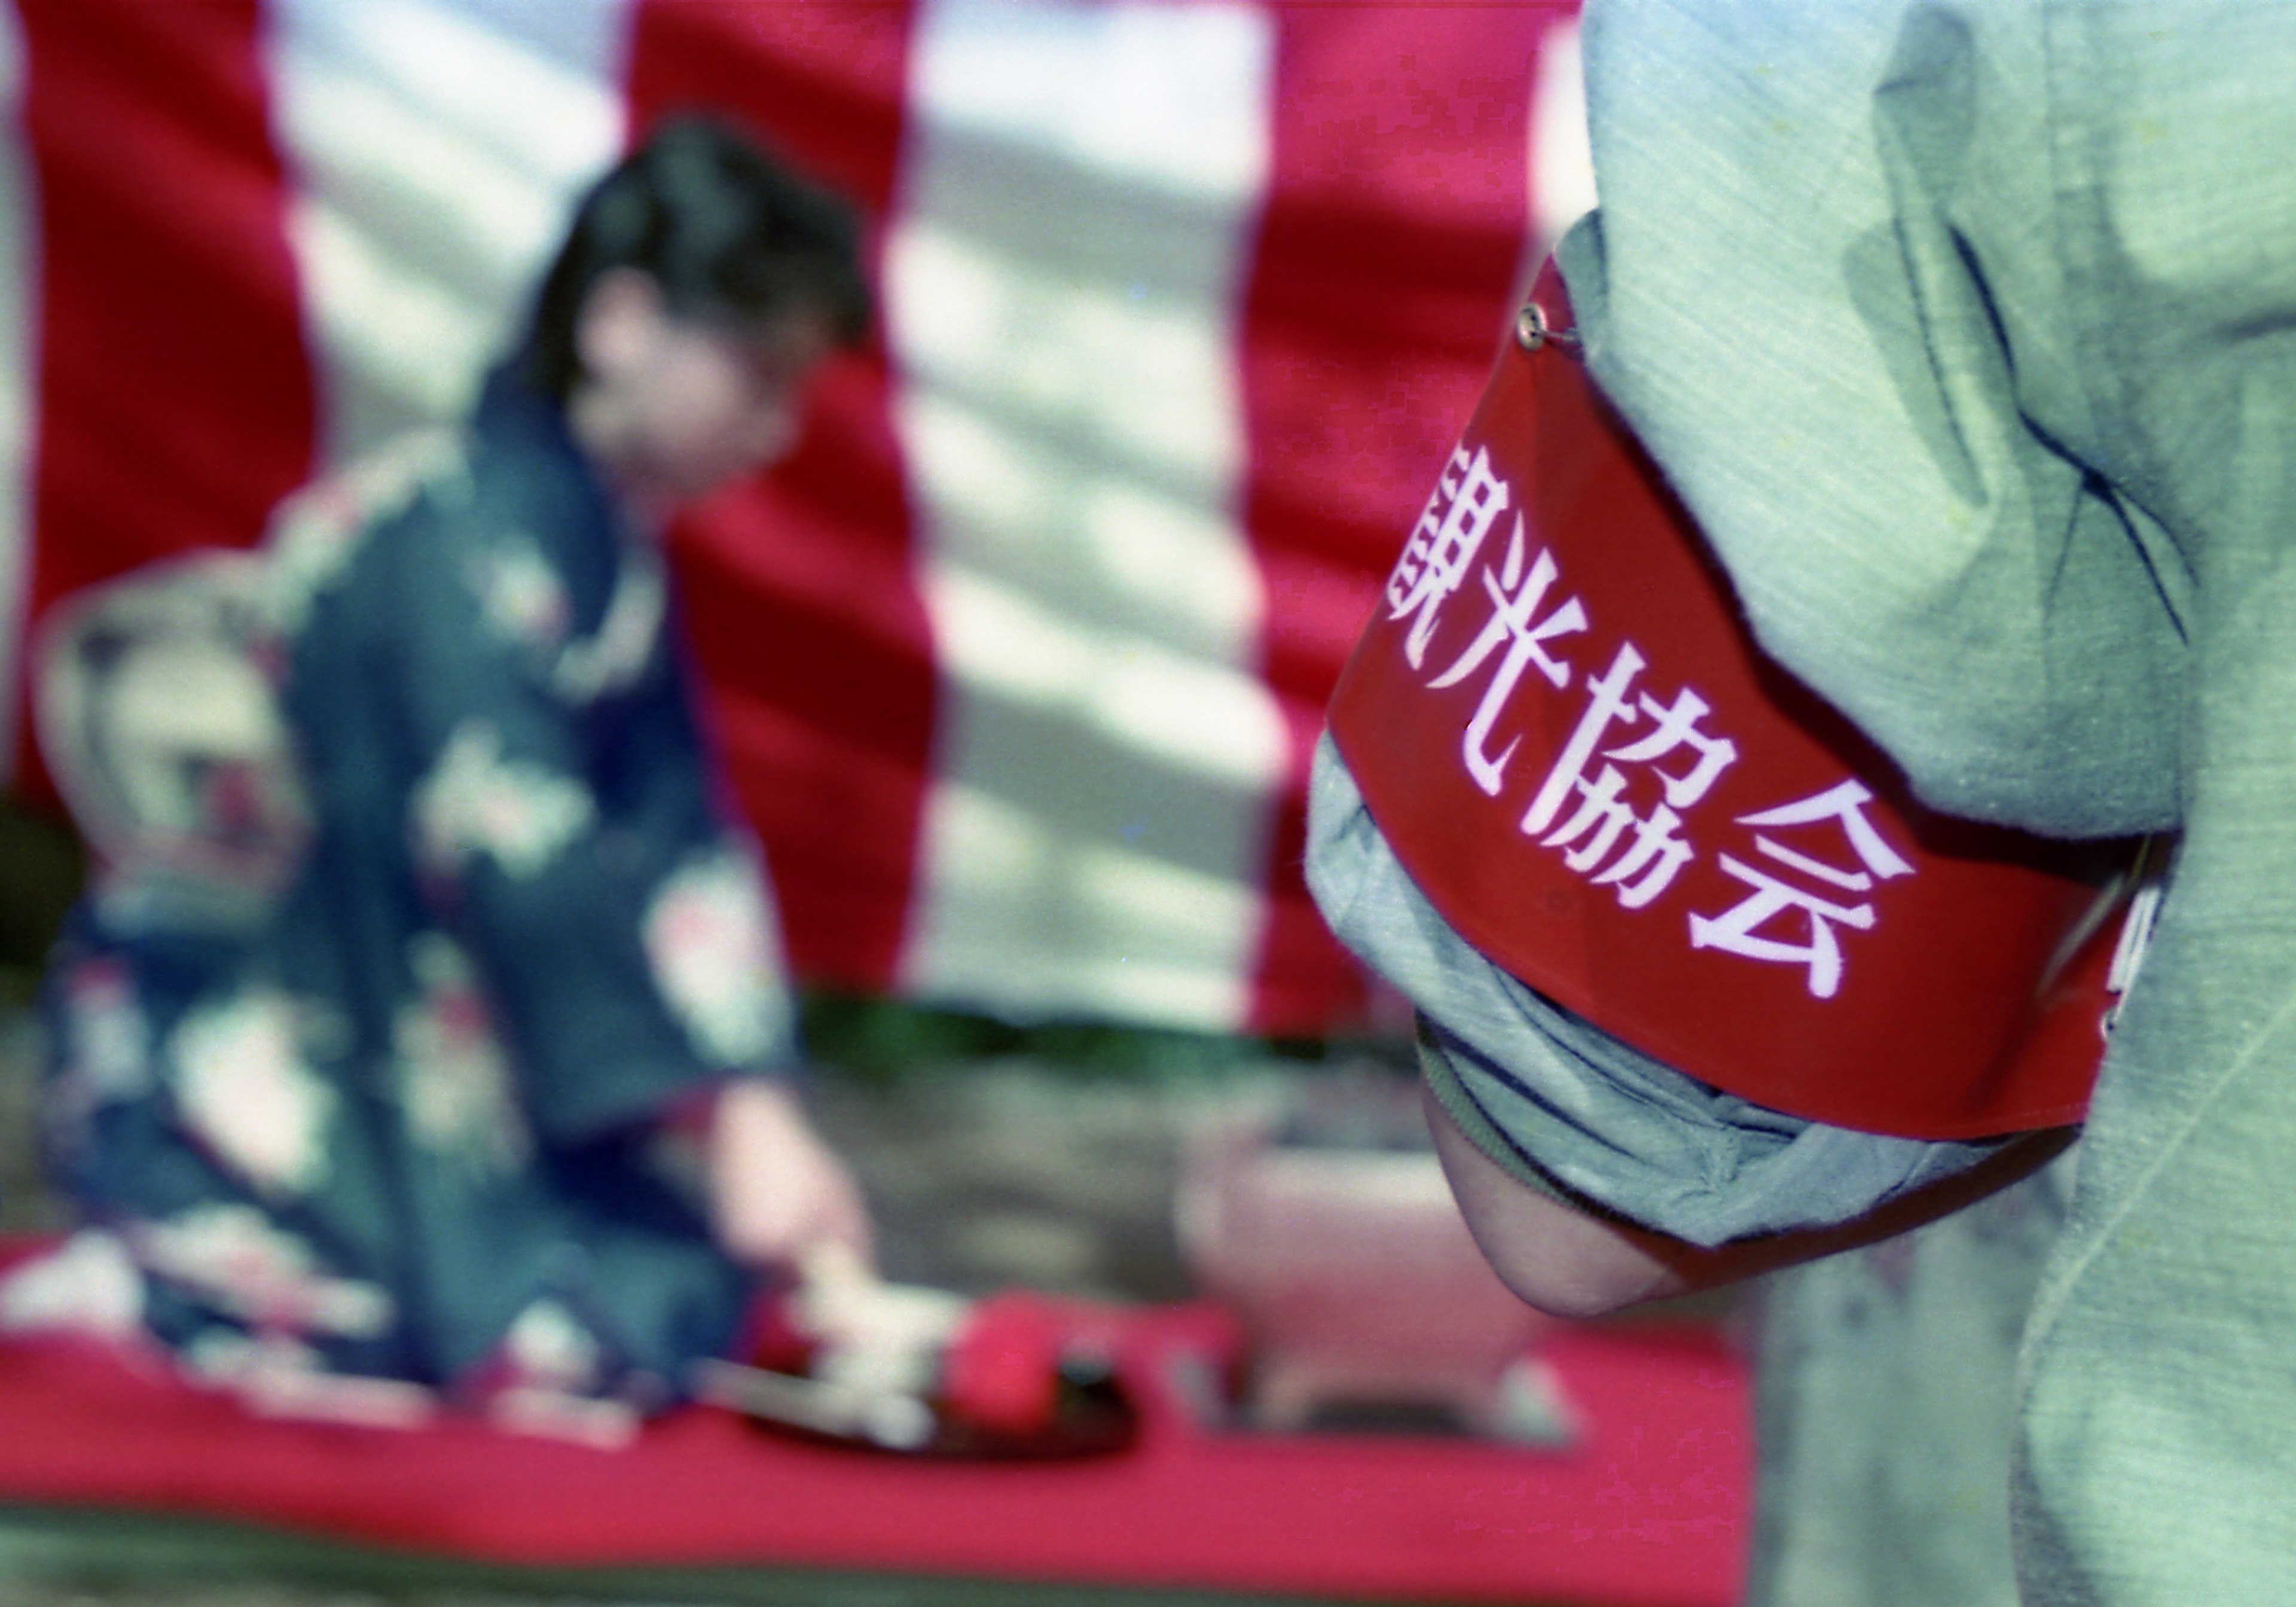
(1650, 1508)
(175, 401)
(1388, 259)
(811, 636)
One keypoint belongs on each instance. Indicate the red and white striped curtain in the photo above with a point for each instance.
(1017, 666)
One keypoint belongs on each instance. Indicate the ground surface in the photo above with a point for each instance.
(986, 1171)
(992, 1157)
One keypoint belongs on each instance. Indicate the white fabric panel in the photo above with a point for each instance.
(1079, 191)
(435, 147)
(1561, 157)
(19, 367)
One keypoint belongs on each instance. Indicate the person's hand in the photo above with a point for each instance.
(778, 1195)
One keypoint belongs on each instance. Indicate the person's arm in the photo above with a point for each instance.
(778, 1194)
(1573, 1263)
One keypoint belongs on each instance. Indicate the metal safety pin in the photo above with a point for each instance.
(1532, 331)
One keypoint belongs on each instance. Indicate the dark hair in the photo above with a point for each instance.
(719, 226)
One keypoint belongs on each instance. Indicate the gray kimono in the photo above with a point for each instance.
(1968, 333)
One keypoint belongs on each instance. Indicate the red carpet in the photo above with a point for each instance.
(1650, 1508)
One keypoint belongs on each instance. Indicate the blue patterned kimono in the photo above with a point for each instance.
(407, 1121)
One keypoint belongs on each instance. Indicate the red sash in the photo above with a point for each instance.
(1578, 752)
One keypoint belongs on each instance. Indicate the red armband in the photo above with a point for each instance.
(1561, 723)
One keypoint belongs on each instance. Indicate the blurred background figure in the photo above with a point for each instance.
(1013, 664)
(1015, 661)
(428, 1024)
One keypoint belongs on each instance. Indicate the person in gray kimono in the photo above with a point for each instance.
(1963, 330)
(474, 1074)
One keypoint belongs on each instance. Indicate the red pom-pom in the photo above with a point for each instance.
(1001, 1371)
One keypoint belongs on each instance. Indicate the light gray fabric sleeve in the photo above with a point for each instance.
(1596, 1117)
(1864, 271)
(1820, 286)
(1443, 1079)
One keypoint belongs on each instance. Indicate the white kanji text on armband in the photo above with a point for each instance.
(1468, 500)
(1601, 822)
(1752, 926)
(1515, 600)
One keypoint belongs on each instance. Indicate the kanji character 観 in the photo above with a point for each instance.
(1467, 502)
